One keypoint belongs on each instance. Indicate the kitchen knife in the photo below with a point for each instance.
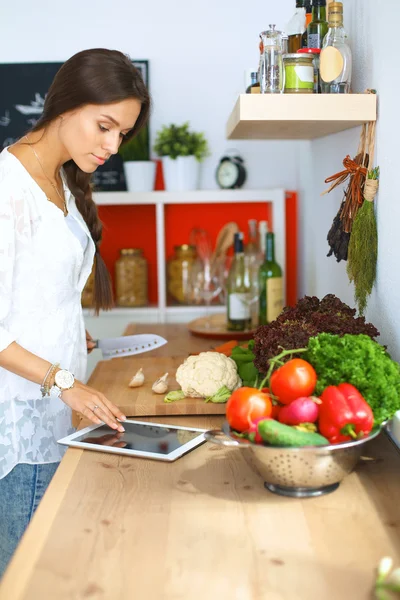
(128, 345)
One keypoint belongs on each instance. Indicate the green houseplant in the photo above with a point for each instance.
(138, 168)
(181, 151)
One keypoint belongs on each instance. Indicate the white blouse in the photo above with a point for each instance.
(43, 270)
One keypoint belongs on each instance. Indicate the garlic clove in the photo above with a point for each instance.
(137, 380)
(160, 386)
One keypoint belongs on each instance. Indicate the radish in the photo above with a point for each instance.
(252, 432)
(302, 410)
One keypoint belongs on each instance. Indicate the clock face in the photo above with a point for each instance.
(227, 174)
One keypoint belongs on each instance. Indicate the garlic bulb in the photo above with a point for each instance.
(161, 385)
(138, 379)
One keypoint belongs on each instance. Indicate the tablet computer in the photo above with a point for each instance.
(142, 439)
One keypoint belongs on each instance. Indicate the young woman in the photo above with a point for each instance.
(50, 235)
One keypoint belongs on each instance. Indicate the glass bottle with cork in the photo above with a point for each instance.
(336, 58)
(270, 284)
(238, 290)
(318, 28)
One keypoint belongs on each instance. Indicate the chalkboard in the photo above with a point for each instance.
(23, 90)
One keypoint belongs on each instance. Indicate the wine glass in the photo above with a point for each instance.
(206, 285)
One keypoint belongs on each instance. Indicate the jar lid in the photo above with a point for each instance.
(309, 51)
(297, 57)
(131, 251)
(185, 247)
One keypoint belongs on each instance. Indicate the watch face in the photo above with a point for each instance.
(227, 174)
(64, 379)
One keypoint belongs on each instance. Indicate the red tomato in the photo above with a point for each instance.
(245, 406)
(295, 379)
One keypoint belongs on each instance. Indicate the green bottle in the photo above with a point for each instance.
(238, 290)
(318, 28)
(271, 285)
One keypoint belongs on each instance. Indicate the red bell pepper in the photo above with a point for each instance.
(344, 415)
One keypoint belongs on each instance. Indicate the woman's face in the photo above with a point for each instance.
(94, 132)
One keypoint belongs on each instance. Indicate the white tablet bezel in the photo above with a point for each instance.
(70, 440)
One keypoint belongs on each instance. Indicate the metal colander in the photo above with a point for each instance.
(297, 472)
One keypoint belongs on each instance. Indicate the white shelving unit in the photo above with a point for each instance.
(113, 323)
(163, 313)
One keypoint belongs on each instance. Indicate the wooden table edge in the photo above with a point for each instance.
(15, 580)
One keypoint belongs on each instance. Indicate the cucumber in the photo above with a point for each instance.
(278, 434)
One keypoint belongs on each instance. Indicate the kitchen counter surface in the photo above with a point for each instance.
(112, 527)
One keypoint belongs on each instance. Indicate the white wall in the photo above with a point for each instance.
(375, 49)
(198, 53)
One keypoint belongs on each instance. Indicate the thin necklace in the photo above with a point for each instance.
(48, 178)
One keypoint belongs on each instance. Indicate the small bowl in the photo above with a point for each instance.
(303, 472)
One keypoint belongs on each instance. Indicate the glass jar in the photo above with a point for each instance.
(87, 297)
(315, 53)
(131, 278)
(179, 273)
(299, 73)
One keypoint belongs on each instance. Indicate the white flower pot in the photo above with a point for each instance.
(140, 175)
(181, 174)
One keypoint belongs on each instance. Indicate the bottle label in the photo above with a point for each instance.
(274, 298)
(332, 64)
(239, 307)
(314, 40)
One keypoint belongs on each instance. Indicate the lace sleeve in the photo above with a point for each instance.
(7, 263)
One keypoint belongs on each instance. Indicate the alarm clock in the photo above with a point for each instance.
(231, 173)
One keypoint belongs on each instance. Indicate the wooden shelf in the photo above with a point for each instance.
(298, 117)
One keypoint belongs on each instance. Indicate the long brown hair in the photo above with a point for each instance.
(95, 76)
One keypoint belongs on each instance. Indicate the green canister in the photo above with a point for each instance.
(299, 73)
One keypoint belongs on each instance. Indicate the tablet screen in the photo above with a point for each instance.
(140, 437)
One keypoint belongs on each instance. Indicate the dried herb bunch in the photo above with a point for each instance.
(309, 317)
(363, 247)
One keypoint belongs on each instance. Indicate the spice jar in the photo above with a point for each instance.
(88, 291)
(270, 70)
(299, 73)
(315, 53)
(179, 273)
(131, 278)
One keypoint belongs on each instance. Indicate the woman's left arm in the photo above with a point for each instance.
(89, 342)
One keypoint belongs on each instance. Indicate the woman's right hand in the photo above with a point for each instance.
(93, 405)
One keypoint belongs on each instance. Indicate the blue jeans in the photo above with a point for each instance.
(20, 493)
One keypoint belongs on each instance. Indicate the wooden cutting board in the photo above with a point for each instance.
(115, 375)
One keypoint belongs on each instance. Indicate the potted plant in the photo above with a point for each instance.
(181, 151)
(139, 170)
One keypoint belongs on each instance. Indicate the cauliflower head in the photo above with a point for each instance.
(203, 375)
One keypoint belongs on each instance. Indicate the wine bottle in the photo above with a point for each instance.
(238, 290)
(270, 285)
(296, 27)
(304, 40)
(318, 28)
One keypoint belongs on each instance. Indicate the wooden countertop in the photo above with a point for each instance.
(111, 527)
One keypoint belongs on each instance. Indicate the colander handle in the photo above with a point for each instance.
(215, 435)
